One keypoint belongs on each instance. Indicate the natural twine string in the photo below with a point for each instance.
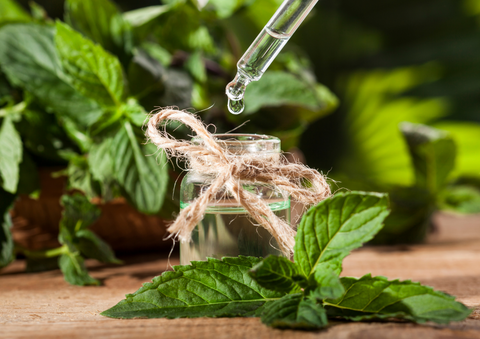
(229, 171)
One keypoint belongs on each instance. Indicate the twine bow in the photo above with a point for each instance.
(229, 171)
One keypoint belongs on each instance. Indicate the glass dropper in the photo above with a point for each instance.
(265, 49)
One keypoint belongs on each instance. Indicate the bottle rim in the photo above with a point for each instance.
(240, 143)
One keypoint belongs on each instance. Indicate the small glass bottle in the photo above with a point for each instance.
(227, 230)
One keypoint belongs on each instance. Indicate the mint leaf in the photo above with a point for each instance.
(278, 274)
(465, 134)
(143, 180)
(225, 9)
(100, 163)
(460, 199)
(29, 178)
(213, 288)
(143, 20)
(10, 155)
(39, 13)
(29, 59)
(334, 227)
(93, 72)
(102, 22)
(293, 311)
(433, 155)
(326, 284)
(6, 240)
(196, 66)
(91, 246)
(375, 103)
(80, 178)
(74, 271)
(78, 213)
(378, 298)
(10, 12)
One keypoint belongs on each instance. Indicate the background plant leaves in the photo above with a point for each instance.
(10, 12)
(102, 22)
(29, 59)
(6, 240)
(143, 179)
(465, 135)
(78, 213)
(91, 246)
(462, 199)
(278, 88)
(378, 298)
(10, 155)
(433, 155)
(92, 71)
(373, 150)
(74, 271)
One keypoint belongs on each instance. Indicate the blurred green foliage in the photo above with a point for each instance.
(390, 62)
(76, 92)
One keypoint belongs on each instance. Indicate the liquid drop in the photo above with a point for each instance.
(236, 106)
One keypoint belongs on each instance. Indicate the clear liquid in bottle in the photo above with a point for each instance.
(229, 232)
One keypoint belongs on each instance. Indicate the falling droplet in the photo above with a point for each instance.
(235, 106)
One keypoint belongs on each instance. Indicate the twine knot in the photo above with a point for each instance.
(229, 171)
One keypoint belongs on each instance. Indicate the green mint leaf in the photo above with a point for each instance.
(145, 74)
(196, 66)
(378, 298)
(29, 178)
(80, 178)
(278, 88)
(325, 284)
(143, 20)
(39, 13)
(157, 52)
(42, 135)
(293, 311)
(213, 288)
(278, 274)
(74, 271)
(463, 199)
(433, 154)
(11, 12)
(93, 72)
(10, 155)
(465, 134)
(330, 230)
(102, 22)
(225, 9)
(100, 163)
(140, 170)
(134, 112)
(91, 246)
(78, 214)
(178, 89)
(29, 59)
(6, 240)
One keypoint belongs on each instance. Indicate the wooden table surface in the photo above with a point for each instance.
(42, 305)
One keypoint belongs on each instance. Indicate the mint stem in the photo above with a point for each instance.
(54, 252)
